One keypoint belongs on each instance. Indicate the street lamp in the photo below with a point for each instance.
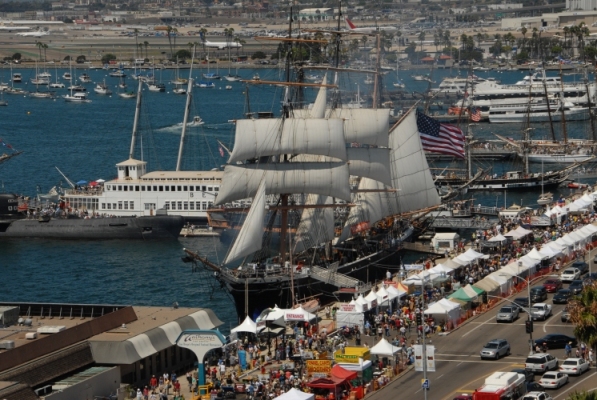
(528, 310)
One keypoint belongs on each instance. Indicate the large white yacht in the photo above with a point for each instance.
(136, 192)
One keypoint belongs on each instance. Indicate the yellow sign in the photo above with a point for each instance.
(352, 356)
(319, 366)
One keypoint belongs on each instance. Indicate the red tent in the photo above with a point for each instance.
(342, 373)
(325, 383)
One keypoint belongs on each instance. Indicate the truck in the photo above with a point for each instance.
(501, 385)
(540, 311)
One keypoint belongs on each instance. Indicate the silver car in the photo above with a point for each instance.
(495, 349)
(507, 313)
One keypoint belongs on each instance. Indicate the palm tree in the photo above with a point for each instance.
(136, 32)
(583, 396)
(583, 313)
(169, 32)
(364, 40)
(45, 47)
(240, 42)
(39, 45)
(524, 36)
(146, 44)
(421, 38)
(202, 33)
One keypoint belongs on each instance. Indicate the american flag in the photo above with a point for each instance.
(440, 138)
(475, 114)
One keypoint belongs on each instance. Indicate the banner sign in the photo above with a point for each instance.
(347, 308)
(418, 357)
(319, 366)
(430, 350)
(290, 316)
(200, 342)
(430, 359)
(414, 267)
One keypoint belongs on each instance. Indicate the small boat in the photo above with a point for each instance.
(211, 75)
(232, 78)
(179, 90)
(127, 95)
(102, 88)
(545, 198)
(399, 85)
(117, 73)
(78, 97)
(156, 87)
(228, 87)
(204, 85)
(14, 90)
(312, 77)
(77, 88)
(57, 85)
(419, 78)
(17, 77)
(40, 81)
(256, 77)
(369, 80)
(577, 185)
(67, 76)
(41, 95)
(197, 121)
(85, 78)
(45, 75)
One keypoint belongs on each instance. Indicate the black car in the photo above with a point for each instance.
(538, 294)
(582, 266)
(562, 296)
(555, 341)
(528, 375)
(522, 303)
(534, 387)
(576, 286)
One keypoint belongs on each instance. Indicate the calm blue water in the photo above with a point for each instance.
(86, 141)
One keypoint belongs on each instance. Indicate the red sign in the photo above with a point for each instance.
(347, 307)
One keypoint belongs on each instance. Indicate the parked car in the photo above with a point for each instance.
(541, 362)
(562, 296)
(552, 285)
(553, 380)
(539, 395)
(565, 315)
(570, 274)
(538, 294)
(522, 303)
(582, 266)
(556, 341)
(540, 311)
(574, 366)
(495, 349)
(534, 386)
(507, 313)
(576, 287)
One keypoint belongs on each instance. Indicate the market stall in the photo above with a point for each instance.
(294, 394)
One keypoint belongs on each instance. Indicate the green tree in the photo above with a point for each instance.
(202, 33)
(258, 55)
(136, 33)
(183, 54)
(583, 396)
(81, 59)
(240, 42)
(171, 32)
(146, 44)
(40, 46)
(583, 313)
(16, 56)
(106, 58)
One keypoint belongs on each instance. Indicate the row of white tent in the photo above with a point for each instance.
(276, 316)
(380, 298)
(580, 204)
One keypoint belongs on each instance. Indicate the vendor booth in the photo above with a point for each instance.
(329, 388)
(445, 240)
(444, 310)
(294, 394)
(350, 315)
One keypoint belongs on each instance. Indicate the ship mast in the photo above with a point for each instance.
(136, 121)
(544, 79)
(562, 111)
(186, 113)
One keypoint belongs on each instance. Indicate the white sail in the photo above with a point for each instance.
(370, 207)
(326, 178)
(371, 162)
(409, 168)
(316, 226)
(268, 137)
(364, 125)
(249, 238)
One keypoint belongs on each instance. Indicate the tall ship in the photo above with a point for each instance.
(349, 179)
(135, 191)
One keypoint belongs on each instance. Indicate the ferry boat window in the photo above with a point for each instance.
(120, 188)
(161, 188)
(192, 205)
(136, 188)
(120, 205)
(203, 188)
(109, 206)
(198, 205)
(143, 188)
(167, 188)
(178, 188)
(114, 206)
(204, 206)
(210, 189)
(186, 205)
(180, 205)
(173, 188)
(132, 205)
(126, 205)
(103, 206)
(126, 188)
(217, 189)
(210, 204)
(185, 188)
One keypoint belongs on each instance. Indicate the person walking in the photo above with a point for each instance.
(590, 357)
(568, 349)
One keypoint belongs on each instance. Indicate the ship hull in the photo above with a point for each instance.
(137, 228)
(505, 184)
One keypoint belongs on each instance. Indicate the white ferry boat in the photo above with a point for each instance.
(539, 112)
(137, 192)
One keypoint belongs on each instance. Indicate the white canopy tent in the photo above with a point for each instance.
(513, 269)
(518, 233)
(536, 255)
(248, 325)
(504, 282)
(274, 315)
(364, 303)
(373, 299)
(294, 394)
(358, 307)
(468, 257)
(557, 248)
(449, 309)
(392, 291)
(451, 264)
(299, 314)
(549, 252)
(498, 238)
(383, 297)
(529, 262)
(588, 230)
(384, 348)
(489, 285)
(441, 269)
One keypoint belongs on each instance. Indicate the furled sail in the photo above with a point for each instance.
(325, 178)
(250, 236)
(373, 162)
(409, 168)
(318, 108)
(364, 125)
(316, 226)
(269, 137)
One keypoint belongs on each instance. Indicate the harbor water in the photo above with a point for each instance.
(85, 141)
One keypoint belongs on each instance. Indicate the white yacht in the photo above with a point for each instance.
(517, 113)
(77, 97)
(102, 88)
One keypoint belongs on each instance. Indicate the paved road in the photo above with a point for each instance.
(460, 370)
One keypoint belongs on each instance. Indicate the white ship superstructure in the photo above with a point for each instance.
(531, 89)
(135, 192)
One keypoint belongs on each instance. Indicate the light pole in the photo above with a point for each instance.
(528, 310)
